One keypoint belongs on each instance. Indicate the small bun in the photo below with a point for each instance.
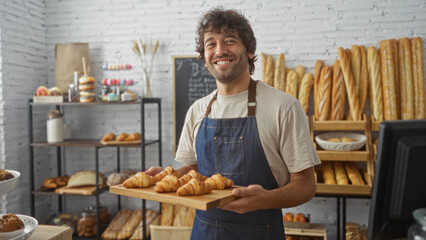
(288, 217)
(300, 217)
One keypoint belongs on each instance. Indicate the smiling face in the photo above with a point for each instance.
(225, 55)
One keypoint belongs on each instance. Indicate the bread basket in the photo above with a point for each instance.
(359, 141)
(8, 185)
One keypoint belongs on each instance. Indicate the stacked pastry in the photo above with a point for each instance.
(86, 88)
(295, 82)
(170, 180)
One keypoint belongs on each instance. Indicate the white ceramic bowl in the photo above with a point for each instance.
(8, 185)
(22, 234)
(359, 139)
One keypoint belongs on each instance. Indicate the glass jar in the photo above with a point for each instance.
(87, 223)
(417, 231)
(54, 126)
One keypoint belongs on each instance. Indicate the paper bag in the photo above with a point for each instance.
(69, 60)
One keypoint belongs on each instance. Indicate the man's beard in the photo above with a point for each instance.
(240, 65)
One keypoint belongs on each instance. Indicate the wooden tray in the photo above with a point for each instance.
(120, 142)
(214, 199)
(87, 190)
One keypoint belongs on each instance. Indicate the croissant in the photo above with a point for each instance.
(219, 182)
(122, 137)
(194, 187)
(134, 137)
(49, 183)
(170, 183)
(190, 175)
(140, 180)
(108, 137)
(167, 171)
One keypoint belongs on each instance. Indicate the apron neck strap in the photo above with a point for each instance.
(251, 103)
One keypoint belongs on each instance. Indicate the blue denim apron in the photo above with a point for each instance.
(232, 148)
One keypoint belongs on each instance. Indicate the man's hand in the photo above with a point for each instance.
(152, 171)
(252, 198)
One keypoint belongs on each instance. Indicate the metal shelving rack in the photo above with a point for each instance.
(91, 143)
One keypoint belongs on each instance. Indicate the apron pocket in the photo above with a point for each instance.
(229, 155)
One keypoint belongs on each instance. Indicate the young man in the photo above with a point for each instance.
(247, 131)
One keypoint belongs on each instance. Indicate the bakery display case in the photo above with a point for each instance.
(99, 186)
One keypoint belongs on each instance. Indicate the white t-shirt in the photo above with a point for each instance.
(281, 121)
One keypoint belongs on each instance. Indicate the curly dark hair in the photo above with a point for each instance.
(218, 18)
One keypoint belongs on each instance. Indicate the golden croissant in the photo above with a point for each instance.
(219, 182)
(194, 187)
(108, 137)
(122, 137)
(170, 183)
(134, 137)
(190, 175)
(140, 180)
(167, 171)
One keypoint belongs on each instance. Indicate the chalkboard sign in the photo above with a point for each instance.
(191, 81)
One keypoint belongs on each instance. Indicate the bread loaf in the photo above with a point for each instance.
(180, 216)
(354, 174)
(167, 214)
(328, 173)
(305, 90)
(338, 96)
(190, 215)
(349, 84)
(396, 77)
(375, 83)
(406, 79)
(325, 93)
(418, 77)
(263, 59)
(291, 84)
(300, 71)
(117, 224)
(388, 81)
(363, 80)
(356, 65)
(317, 72)
(86, 178)
(280, 74)
(270, 69)
(129, 227)
(341, 177)
(138, 233)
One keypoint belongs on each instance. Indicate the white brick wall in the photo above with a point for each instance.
(304, 30)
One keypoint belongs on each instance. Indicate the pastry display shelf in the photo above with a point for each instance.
(90, 143)
(364, 157)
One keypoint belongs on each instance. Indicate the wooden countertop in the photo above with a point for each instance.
(48, 232)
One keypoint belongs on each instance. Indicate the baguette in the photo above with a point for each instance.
(328, 173)
(305, 90)
(356, 66)
(338, 96)
(138, 234)
(317, 72)
(406, 79)
(325, 93)
(291, 83)
(279, 75)
(375, 83)
(117, 224)
(388, 82)
(129, 227)
(300, 71)
(270, 69)
(166, 217)
(341, 176)
(418, 77)
(363, 80)
(396, 77)
(349, 84)
(263, 59)
(354, 174)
